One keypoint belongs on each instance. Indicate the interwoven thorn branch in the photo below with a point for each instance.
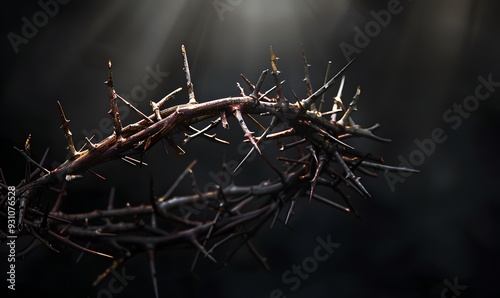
(322, 158)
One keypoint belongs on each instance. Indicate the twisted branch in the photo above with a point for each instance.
(322, 159)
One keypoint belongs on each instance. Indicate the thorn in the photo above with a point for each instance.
(293, 144)
(339, 93)
(313, 152)
(346, 197)
(156, 106)
(27, 150)
(352, 107)
(91, 145)
(203, 131)
(297, 100)
(130, 106)
(242, 92)
(202, 249)
(43, 223)
(177, 181)
(81, 254)
(330, 203)
(44, 241)
(388, 168)
(97, 175)
(223, 117)
(324, 82)
(275, 73)
(192, 99)
(248, 133)
(209, 234)
(307, 79)
(71, 243)
(111, 198)
(338, 105)
(262, 260)
(366, 132)
(30, 160)
(133, 161)
(268, 91)
(275, 217)
(111, 268)
(280, 134)
(252, 88)
(169, 96)
(248, 82)
(351, 177)
(152, 269)
(262, 76)
(164, 148)
(331, 137)
(67, 132)
(314, 180)
(256, 122)
(292, 204)
(179, 150)
(290, 212)
(260, 140)
(113, 107)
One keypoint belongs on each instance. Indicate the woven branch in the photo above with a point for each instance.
(202, 220)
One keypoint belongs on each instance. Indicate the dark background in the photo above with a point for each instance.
(437, 225)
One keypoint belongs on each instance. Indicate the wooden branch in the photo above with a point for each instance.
(323, 159)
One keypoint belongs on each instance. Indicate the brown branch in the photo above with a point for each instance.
(231, 211)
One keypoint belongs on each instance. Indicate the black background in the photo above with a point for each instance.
(437, 225)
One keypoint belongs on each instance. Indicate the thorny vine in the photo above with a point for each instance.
(321, 157)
